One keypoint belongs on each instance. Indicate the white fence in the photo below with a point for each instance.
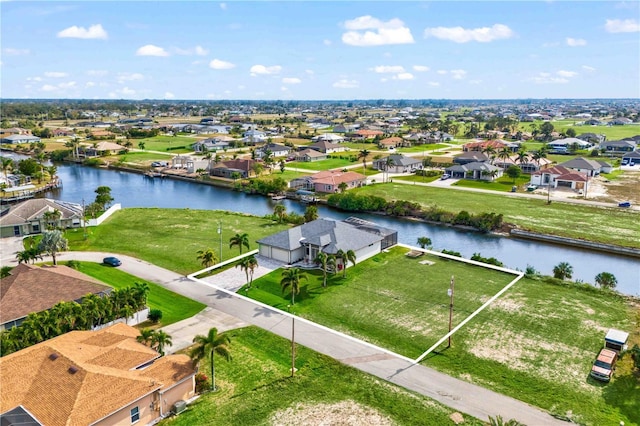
(104, 216)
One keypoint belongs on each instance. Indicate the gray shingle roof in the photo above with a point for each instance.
(330, 234)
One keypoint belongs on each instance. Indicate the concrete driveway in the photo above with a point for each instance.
(8, 248)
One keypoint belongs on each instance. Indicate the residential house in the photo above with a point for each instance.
(304, 242)
(529, 166)
(101, 134)
(328, 137)
(309, 155)
(364, 134)
(209, 145)
(63, 132)
(560, 176)
(592, 137)
(584, 165)
(620, 121)
(483, 145)
(190, 164)
(100, 149)
(14, 131)
(634, 155)
(252, 137)
(471, 157)
(475, 170)
(100, 378)
(329, 181)
(398, 164)
(616, 147)
(327, 147)
(18, 139)
(31, 288)
(569, 144)
(393, 142)
(28, 217)
(276, 150)
(226, 169)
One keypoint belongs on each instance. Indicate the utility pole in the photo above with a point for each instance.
(450, 293)
(220, 232)
(84, 221)
(293, 346)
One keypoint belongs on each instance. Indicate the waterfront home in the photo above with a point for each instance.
(100, 149)
(31, 288)
(397, 163)
(327, 147)
(528, 166)
(30, 217)
(560, 176)
(304, 242)
(210, 145)
(328, 181)
(190, 164)
(100, 377)
(226, 169)
(19, 138)
(475, 170)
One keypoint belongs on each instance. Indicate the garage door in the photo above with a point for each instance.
(280, 254)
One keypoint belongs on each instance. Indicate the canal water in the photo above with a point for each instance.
(134, 190)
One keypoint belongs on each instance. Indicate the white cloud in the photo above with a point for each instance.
(59, 87)
(326, 42)
(291, 80)
(433, 83)
(462, 35)
(576, 42)
(127, 92)
(420, 68)
(89, 84)
(547, 78)
(218, 64)
(34, 78)
(458, 74)
(378, 33)
(383, 80)
(346, 84)
(198, 50)
(403, 76)
(15, 52)
(55, 74)
(97, 73)
(475, 81)
(588, 68)
(309, 72)
(223, 6)
(67, 85)
(567, 74)
(127, 76)
(284, 88)
(94, 31)
(169, 95)
(201, 51)
(622, 26)
(48, 88)
(262, 70)
(151, 50)
(442, 72)
(383, 69)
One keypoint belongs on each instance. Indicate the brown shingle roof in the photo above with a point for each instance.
(55, 395)
(34, 289)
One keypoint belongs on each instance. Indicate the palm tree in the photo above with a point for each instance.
(127, 312)
(363, 154)
(51, 171)
(562, 270)
(252, 265)
(606, 280)
(350, 256)
(310, 213)
(213, 343)
(280, 210)
(388, 164)
(522, 157)
(51, 219)
(7, 164)
(244, 266)
(91, 307)
(490, 151)
(140, 291)
(53, 242)
(146, 336)
(239, 240)
(207, 257)
(424, 242)
(291, 279)
(159, 340)
(499, 421)
(326, 262)
(504, 153)
(538, 155)
(343, 186)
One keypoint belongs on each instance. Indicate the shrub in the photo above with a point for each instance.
(73, 264)
(155, 315)
(452, 252)
(202, 383)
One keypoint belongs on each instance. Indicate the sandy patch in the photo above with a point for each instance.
(342, 413)
(594, 325)
(507, 304)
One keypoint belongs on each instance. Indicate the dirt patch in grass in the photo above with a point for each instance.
(342, 413)
(624, 188)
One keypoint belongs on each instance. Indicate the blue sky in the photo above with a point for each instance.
(320, 50)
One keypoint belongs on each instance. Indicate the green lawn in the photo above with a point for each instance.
(174, 307)
(330, 163)
(170, 238)
(611, 132)
(256, 386)
(621, 227)
(163, 143)
(504, 183)
(421, 148)
(416, 178)
(535, 343)
(287, 175)
(140, 157)
(359, 146)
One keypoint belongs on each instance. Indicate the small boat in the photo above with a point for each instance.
(278, 197)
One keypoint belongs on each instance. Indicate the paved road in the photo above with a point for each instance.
(459, 395)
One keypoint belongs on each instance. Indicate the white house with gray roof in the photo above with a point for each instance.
(304, 242)
(398, 164)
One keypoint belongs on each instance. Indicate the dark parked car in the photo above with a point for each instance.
(113, 261)
(624, 204)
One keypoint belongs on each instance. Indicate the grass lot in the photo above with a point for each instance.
(162, 143)
(402, 295)
(256, 385)
(142, 157)
(535, 343)
(622, 227)
(503, 183)
(170, 238)
(174, 307)
(359, 146)
(287, 175)
(612, 132)
(421, 148)
(613, 175)
(330, 163)
(416, 178)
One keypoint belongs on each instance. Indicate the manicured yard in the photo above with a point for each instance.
(287, 175)
(255, 388)
(415, 178)
(174, 307)
(171, 238)
(535, 343)
(421, 148)
(163, 143)
(142, 157)
(622, 227)
(330, 163)
(503, 183)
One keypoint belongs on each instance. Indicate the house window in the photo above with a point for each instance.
(36, 227)
(135, 415)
